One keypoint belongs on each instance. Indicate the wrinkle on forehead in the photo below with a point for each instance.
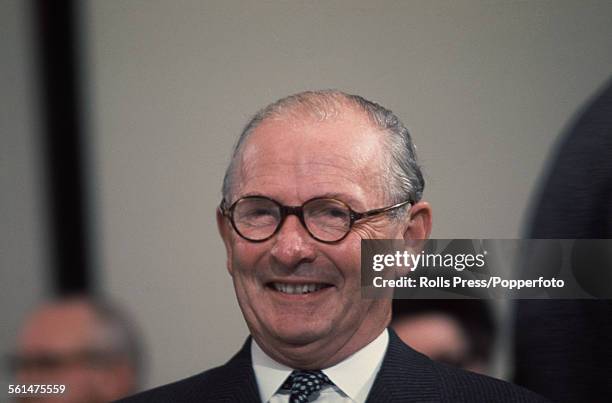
(325, 154)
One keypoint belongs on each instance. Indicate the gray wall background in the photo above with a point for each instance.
(485, 86)
(23, 252)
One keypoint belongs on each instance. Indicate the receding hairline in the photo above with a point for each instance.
(321, 105)
(302, 108)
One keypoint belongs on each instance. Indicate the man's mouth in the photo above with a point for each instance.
(304, 288)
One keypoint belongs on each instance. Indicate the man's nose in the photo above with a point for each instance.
(293, 244)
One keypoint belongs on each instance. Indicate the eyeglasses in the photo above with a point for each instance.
(258, 218)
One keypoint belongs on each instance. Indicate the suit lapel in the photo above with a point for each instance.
(405, 376)
(236, 379)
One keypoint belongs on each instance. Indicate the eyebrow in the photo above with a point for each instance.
(343, 197)
(340, 196)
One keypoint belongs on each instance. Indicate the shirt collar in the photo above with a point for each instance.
(354, 375)
(269, 374)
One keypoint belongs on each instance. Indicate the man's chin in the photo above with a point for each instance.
(300, 336)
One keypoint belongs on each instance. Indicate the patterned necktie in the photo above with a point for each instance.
(303, 384)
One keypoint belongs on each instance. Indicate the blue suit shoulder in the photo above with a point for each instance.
(232, 382)
(458, 385)
(186, 390)
(409, 376)
(405, 376)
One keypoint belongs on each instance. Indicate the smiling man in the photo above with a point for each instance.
(311, 176)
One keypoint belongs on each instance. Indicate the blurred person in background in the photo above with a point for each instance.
(562, 347)
(457, 332)
(86, 344)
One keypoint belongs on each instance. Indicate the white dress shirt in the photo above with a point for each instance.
(353, 378)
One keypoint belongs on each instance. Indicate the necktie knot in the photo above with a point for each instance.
(303, 384)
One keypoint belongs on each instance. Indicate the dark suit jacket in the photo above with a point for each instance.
(558, 344)
(405, 376)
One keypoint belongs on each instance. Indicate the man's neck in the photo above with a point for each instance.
(353, 376)
(320, 354)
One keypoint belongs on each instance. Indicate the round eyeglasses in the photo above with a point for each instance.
(258, 218)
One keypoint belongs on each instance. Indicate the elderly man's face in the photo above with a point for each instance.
(54, 340)
(293, 161)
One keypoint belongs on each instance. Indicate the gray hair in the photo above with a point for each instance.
(405, 176)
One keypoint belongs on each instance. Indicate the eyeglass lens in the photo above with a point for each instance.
(256, 218)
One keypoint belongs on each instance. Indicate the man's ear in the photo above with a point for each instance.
(225, 231)
(419, 222)
(418, 228)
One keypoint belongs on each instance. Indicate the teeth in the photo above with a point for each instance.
(297, 288)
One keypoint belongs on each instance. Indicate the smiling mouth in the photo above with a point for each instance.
(297, 289)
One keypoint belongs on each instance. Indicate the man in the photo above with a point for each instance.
(311, 176)
(83, 344)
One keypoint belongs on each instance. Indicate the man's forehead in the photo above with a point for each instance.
(340, 138)
(342, 150)
(62, 326)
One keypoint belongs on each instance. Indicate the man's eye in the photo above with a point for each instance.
(336, 213)
(262, 212)
(330, 214)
